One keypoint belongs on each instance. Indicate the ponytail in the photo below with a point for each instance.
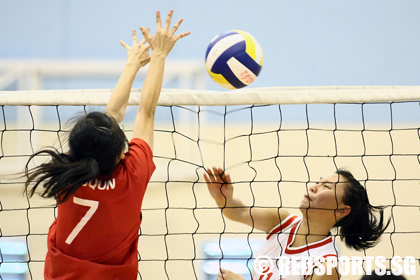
(95, 143)
(61, 177)
(361, 228)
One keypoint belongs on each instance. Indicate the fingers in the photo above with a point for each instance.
(177, 37)
(176, 26)
(209, 177)
(164, 39)
(206, 178)
(168, 24)
(133, 33)
(216, 175)
(222, 274)
(135, 40)
(227, 179)
(143, 41)
(124, 45)
(168, 20)
(146, 33)
(158, 20)
(219, 172)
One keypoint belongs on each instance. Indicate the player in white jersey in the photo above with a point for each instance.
(296, 262)
(299, 248)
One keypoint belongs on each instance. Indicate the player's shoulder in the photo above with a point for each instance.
(278, 215)
(287, 221)
(137, 147)
(139, 143)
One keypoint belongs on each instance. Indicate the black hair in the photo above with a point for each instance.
(361, 228)
(95, 142)
(386, 276)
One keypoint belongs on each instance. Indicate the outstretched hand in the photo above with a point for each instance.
(164, 39)
(219, 185)
(139, 52)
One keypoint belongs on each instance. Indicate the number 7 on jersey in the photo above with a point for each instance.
(93, 206)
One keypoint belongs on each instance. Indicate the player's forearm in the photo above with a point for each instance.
(119, 98)
(152, 85)
(235, 210)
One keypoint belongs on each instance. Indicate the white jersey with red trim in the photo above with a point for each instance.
(276, 260)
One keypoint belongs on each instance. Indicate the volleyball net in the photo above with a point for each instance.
(275, 142)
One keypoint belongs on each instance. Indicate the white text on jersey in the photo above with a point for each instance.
(95, 183)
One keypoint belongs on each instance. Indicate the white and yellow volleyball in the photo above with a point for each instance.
(234, 59)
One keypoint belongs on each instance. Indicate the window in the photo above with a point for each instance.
(13, 258)
(235, 254)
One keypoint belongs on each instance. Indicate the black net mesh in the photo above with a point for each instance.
(273, 153)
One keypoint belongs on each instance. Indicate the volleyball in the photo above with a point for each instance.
(234, 59)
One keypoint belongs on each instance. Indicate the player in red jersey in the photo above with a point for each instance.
(338, 200)
(99, 188)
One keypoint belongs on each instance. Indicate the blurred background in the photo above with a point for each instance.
(305, 43)
(74, 44)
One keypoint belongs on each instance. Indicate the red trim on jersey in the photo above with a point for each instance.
(306, 248)
(330, 255)
(282, 226)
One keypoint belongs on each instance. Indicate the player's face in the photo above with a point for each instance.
(327, 194)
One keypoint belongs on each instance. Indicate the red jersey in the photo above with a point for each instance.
(95, 234)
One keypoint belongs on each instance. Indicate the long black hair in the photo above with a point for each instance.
(361, 228)
(95, 142)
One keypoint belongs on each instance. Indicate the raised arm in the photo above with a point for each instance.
(137, 57)
(221, 189)
(161, 43)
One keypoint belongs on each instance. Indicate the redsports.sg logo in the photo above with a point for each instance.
(354, 265)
